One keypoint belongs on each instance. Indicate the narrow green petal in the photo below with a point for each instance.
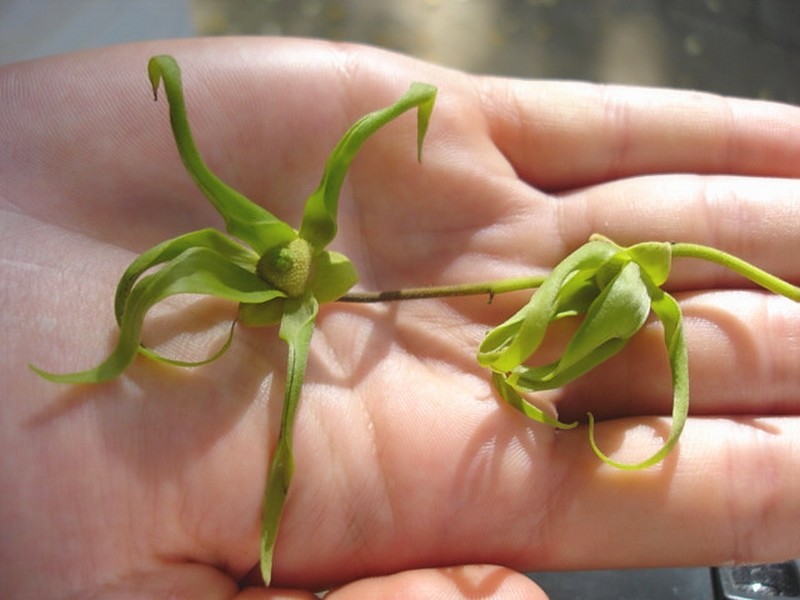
(669, 312)
(558, 373)
(319, 223)
(169, 249)
(243, 219)
(297, 328)
(195, 271)
(617, 313)
(513, 342)
(512, 397)
(152, 355)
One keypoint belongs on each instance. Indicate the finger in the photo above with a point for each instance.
(565, 135)
(473, 581)
(520, 496)
(173, 581)
(752, 218)
(262, 593)
(727, 494)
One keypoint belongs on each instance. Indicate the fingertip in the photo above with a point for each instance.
(274, 594)
(448, 583)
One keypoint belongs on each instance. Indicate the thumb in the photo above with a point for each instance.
(449, 583)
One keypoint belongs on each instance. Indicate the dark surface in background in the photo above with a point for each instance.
(639, 584)
(747, 48)
(744, 48)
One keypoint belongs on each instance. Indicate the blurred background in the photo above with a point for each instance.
(745, 48)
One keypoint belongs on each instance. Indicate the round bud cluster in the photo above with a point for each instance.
(287, 266)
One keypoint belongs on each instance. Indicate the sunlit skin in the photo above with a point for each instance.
(405, 459)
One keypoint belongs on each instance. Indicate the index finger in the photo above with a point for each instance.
(564, 135)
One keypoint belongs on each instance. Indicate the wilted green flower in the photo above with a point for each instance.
(277, 274)
(614, 290)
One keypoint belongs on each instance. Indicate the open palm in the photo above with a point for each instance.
(152, 483)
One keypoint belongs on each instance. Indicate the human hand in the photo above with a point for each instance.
(405, 459)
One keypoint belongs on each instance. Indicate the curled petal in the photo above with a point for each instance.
(616, 313)
(320, 213)
(510, 394)
(195, 271)
(169, 249)
(513, 342)
(669, 312)
(243, 218)
(615, 288)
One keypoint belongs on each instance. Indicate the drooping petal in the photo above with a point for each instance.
(319, 223)
(297, 327)
(615, 288)
(618, 312)
(195, 271)
(510, 394)
(169, 249)
(513, 342)
(668, 311)
(615, 314)
(243, 218)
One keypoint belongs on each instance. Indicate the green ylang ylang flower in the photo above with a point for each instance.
(276, 273)
(614, 290)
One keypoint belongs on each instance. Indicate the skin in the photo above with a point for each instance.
(150, 486)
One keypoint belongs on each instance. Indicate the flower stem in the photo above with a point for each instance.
(754, 274)
(490, 288)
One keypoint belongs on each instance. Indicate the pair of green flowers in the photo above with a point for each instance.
(280, 275)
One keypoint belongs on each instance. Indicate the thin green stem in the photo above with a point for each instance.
(490, 288)
(754, 274)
